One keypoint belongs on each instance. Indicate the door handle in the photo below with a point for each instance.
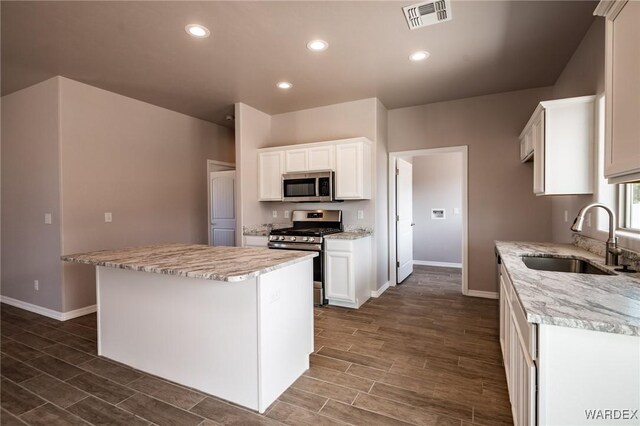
(413, 224)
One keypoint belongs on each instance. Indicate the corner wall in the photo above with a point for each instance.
(501, 200)
(31, 188)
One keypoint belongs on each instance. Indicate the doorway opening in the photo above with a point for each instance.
(221, 203)
(428, 212)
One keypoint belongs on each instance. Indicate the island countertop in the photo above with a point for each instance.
(194, 261)
(608, 303)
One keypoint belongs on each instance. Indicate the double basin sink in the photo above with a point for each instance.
(563, 264)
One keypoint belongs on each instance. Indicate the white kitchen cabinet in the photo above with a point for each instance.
(322, 157)
(622, 89)
(353, 170)
(270, 166)
(296, 160)
(255, 241)
(526, 147)
(347, 271)
(562, 135)
(517, 340)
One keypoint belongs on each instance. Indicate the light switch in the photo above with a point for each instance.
(566, 215)
(360, 214)
(108, 217)
(47, 218)
(286, 214)
(456, 210)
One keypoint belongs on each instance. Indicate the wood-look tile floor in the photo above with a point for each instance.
(420, 354)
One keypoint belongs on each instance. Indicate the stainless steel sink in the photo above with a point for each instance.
(562, 264)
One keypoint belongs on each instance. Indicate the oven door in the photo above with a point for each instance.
(318, 267)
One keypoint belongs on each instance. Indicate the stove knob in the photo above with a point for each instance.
(281, 238)
(305, 238)
(293, 238)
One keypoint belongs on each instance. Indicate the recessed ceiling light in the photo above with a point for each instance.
(419, 56)
(284, 85)
(317, 45)
(196, 30)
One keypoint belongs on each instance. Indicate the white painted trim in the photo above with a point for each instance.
(440, 264)
(40, 310)
(483, 294)
(220, 163)
(378, 292)
(465, 208)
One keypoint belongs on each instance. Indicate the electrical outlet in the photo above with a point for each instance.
(47, 218)
(566, 215)
(36, 285)
(108, 217)
(286, 214)
(360, 214)
(589, 220)
(274, 213)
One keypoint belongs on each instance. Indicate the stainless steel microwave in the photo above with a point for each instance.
(308, 187)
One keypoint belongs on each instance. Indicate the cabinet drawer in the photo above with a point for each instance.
(339, 245)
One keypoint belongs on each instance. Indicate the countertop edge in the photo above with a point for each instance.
(211, 277)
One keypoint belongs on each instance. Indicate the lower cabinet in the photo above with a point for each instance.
(518, 343)
(347, 271)
(559, 375)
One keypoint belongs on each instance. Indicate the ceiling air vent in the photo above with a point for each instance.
(428, 13)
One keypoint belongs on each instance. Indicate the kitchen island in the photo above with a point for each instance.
(233, 322)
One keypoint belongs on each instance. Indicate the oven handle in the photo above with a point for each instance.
(302, 247)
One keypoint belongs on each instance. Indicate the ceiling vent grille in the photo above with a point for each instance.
(428, 13)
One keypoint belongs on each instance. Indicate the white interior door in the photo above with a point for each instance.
(223, 210)
(404, 222)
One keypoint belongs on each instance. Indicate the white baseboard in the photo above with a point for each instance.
(441, 264)
(483, 294)
(60, 316)
(378, 292)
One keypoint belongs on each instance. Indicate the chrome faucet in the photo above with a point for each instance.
(612, 243)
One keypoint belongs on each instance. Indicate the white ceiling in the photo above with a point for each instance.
(140, 49)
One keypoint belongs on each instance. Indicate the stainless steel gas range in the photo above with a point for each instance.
(307, 234)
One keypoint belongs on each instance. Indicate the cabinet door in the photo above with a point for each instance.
(321, 158)
(296, 160)
(270, 176)
(622, 153)
(537, 136)
(339, 283)
(349, 171)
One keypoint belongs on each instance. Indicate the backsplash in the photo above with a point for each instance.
(628, 257)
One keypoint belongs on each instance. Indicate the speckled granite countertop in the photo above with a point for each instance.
(263, 230)
(609, 303)
(348, 235)
(195, 261)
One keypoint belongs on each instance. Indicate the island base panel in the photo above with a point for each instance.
(208, 335)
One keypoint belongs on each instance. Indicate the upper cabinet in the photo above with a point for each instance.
(270, 166)
(622, 87)
(350, 159)
(353, 171)
(560, 138)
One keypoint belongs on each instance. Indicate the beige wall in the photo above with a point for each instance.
(583, 75)
(501, 201)
(31, 188)
(382, 196)
(144, 164)
(437, 183)
(253, 131)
